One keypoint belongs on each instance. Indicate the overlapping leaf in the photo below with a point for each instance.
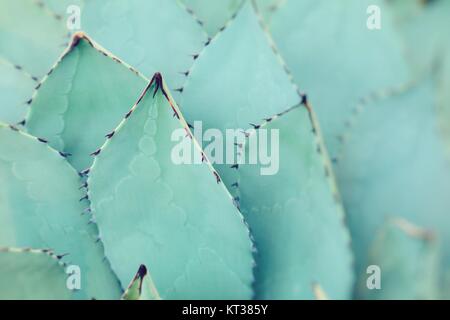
(394, 163)
(178, 220)
(27, 51)
(84, 98)
(294, 214)
(40, 208)
(335, 57)
(28, 274)
(408, 261)
(151, 35)
(296, 221)
(213, 14)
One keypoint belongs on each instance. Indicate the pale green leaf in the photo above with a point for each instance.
(296, 219)
(408, 260)
(141, 287)
(28, 274)
(178, 220)
(40, 208)
(151, 35)
(82, 100)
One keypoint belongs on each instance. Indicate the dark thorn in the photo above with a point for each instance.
(42, 140)
(208, 42)
(235, 166)
(29, 101)
(86, 197)
(203, 157)
(128, 114)
(180, 90)
(268, 119)
(142, 272)
(235, 185)
(255, 126)
(217, 177)
(96, 153)
(59, 257)
(110, 135)
(85, 185)
(158, 83)
(34, 78)
(38, 86)
(195, 56)
(186, 73)
(21, 123)
(13, 128)
(87, 210)
(64, 154)
(190, 126)
(304, 99)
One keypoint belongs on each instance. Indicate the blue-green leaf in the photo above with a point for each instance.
(83, 99)
(177, 219)
(394, 163)
(295, 215)
(335, 57)
(408, 260)
(151, 35)
(40, 207)
(29, 274)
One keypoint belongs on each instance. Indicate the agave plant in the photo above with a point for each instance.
(89, 182)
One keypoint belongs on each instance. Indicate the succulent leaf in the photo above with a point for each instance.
(178, 220)
(85, 97)
(30, 274)
(16, 86)
(38, 33)
(240, 89)
(141, 287)
(40, 207)
(424, 25)
(151, 35)
(337, 61)
(213, 14)
(298, 229)
(394, 162)
(409, 263)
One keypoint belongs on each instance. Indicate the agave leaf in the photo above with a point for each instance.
(16, 87)
(243, 87)
(141, 287)
(408, 260)
(35, 42)
(151, 35)
(85, 96)
(40, 207)
(29, 274)
(335, 58)
(424, 25)
(213, 14)
(394, 162)
(296, 221)
(184, 226)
